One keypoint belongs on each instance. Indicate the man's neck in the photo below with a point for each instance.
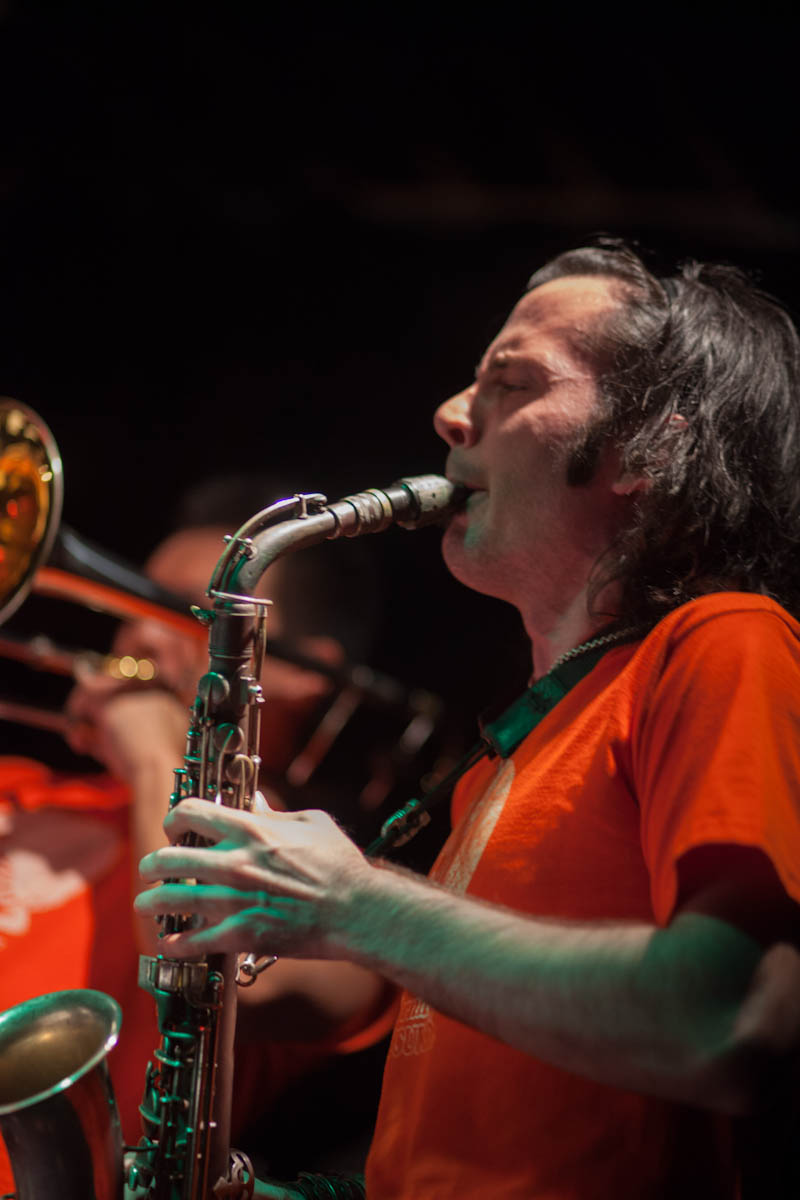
(553, 634)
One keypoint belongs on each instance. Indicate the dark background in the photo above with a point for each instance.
(243, 237)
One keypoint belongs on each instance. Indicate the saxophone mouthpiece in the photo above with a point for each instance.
(419, 500)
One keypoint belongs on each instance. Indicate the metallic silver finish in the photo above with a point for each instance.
(186, 1106)
(307, 519)
(57, 1112)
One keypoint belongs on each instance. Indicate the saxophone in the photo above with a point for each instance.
(57, 1112)
(184, 1152)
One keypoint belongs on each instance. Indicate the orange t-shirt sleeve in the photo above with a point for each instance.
(717, 758)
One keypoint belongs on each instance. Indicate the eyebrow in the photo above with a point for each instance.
(504, 359)
(488, 365)
(496, 362)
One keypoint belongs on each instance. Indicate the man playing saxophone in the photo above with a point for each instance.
(71, 843)
(585, 971)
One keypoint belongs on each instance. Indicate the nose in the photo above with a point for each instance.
(453, 420)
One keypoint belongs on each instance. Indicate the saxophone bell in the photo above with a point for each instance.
(57, 1112)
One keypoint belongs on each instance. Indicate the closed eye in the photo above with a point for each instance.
(517, 375)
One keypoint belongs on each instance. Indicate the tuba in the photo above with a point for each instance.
(184, 1152)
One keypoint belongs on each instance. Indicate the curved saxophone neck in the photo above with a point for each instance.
(306, 519)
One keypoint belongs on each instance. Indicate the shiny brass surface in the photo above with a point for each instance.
(31, 493)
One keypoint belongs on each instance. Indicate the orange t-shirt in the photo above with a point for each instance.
(687, 738)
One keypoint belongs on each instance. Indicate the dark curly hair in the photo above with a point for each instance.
(699, 376)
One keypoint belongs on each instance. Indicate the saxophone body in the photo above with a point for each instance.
(184, 1153)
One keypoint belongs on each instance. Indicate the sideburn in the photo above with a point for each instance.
(585, 455)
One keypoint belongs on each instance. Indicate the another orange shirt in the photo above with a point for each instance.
(688, 738)
(67, 879)
(66, 917)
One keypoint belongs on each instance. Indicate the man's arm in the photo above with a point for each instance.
(628, 1004)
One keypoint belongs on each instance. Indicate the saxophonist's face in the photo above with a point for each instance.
(525, 530)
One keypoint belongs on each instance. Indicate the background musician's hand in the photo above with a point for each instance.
(274, 883)
(124, 728)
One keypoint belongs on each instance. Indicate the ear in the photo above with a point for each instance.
(625, 483)
(628, 484)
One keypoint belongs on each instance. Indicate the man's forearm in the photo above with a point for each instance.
(624, 1003)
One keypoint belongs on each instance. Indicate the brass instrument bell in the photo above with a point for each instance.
(31, 496)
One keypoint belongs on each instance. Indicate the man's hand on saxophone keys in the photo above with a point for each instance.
(271, 882)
